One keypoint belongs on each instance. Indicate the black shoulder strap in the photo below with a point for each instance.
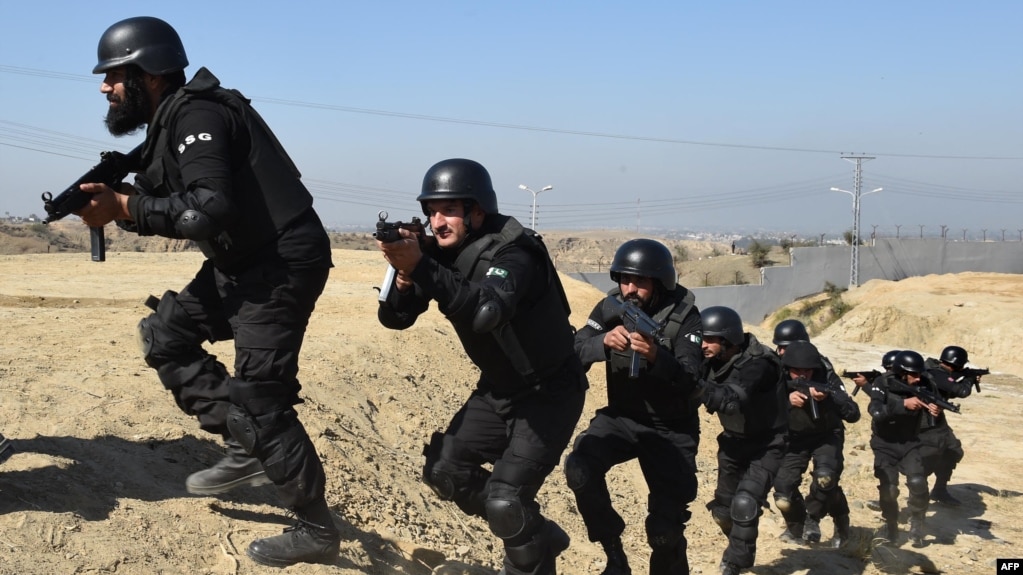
(676, 314)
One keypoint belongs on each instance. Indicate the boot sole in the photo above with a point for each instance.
(6, 449)
(325, 558)
(254, 480)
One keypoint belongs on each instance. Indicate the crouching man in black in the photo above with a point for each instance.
(896, 418)
(651, 415)
(744, 387)
(495, 282)
(818, 408)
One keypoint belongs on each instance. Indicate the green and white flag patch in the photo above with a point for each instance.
(497, 272)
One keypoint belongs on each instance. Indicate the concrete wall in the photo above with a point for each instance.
(890, 259)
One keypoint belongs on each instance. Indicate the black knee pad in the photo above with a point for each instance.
(917, 484)
(660, 536)
(745, 509)
(825, 477)
(168, 334)
(507, 515)
(537, 554)
(578, 471)
(449, 470)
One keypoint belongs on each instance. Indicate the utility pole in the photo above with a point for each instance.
(638, 211)
(854, 264)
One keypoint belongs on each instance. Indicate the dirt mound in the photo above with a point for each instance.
(97, 485)
(980, 312)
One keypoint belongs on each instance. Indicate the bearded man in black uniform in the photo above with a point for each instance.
(211, 171)
(651, 415)
(495, 282)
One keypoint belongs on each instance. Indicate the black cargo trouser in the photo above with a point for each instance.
(747, 466)
(825, 450)
(523, 436)
(890, 459)
(941, 451)
(265, 310)
(667, 459)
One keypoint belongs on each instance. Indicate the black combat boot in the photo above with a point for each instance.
(793, 532)
(617, 562)
(811, 530)
(940, 493)
(236, 469)
(6, 448)
(916, 530)
(891, 532)
(729, 568)
(841, 531)
(312, 539)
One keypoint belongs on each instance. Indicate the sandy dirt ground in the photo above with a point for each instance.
(97, 485)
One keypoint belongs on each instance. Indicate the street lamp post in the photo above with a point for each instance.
(532, 219)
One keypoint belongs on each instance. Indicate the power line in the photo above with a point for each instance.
(350, 109)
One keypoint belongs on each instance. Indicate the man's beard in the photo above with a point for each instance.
(132, 112)
(634, 298)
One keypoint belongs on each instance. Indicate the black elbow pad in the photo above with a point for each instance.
(492, 311)
(196, 225)
(489, 315)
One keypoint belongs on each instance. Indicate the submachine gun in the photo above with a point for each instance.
(870, 374)
(803, 385)
(111, 169)
(635, 320)
(924, 393)
(388, 232)
(975, 373)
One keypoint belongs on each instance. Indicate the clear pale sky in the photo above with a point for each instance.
(678, 114)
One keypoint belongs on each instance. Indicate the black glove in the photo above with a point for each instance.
(720, 398)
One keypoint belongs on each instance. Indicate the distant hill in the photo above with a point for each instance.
(699, 263)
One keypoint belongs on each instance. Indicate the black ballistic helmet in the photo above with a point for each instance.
(723, 322)
(908, 361)
(789, 331)
(645, 258)
(954, 356)
(801, 354)
(147, 42)
(889, 358)
(459, 179)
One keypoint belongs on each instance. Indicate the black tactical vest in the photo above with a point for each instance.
(538, 338)
(767, 409)
(670, 316)
(266, 190)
